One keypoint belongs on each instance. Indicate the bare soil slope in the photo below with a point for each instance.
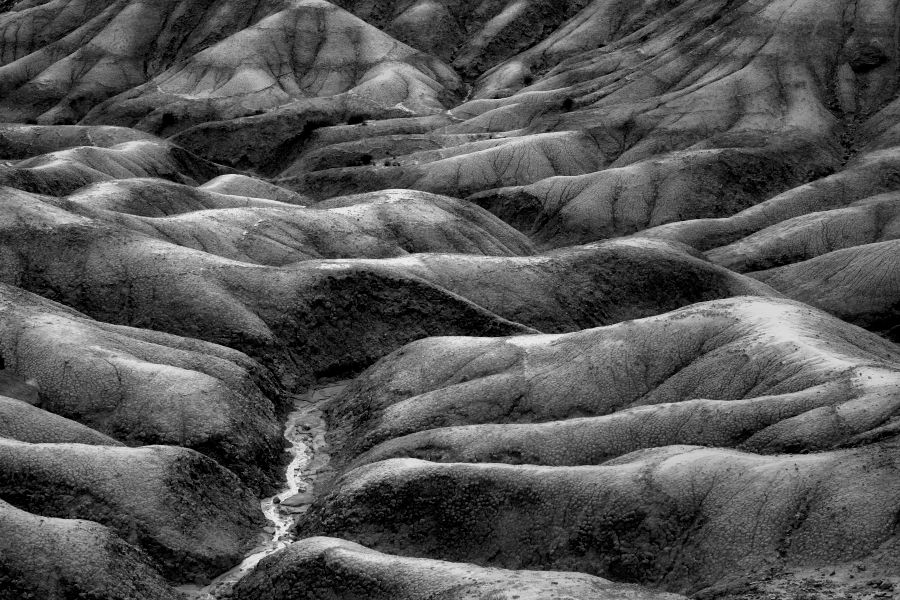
(616, 283)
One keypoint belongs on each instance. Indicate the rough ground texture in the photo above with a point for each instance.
(681, 517)
(180, 507)
(344, 570)
(137, 386)
(617, 281)
(594, 429)
(69, 558)
(200, 264)
(797, 380)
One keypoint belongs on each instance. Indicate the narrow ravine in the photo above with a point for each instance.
(305, 431)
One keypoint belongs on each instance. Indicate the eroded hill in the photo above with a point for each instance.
(615, 283)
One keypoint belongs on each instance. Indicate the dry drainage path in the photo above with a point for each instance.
(305, 430)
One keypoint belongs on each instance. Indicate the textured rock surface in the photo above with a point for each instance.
(798, 381)
(860, 284)
(592, 426)
(26, 423)
(191, 515)
(43, 557)
(24, 141)
(166, 274)
(683, 517)
(475, 35)
(618, 83)
(253, 230)
(331, 568)
(62, 172)
(309, 49)
(60, 58)
(138, 386)
(875, 219)
(243, 185)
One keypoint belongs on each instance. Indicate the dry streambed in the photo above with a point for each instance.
(309, 460)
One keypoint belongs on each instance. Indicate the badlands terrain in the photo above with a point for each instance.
(450, 299)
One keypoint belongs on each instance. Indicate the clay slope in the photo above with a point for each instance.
(310, 49)
(681, 517)
(862, 187)
(190, 514)
(791, 370)
(624, 99)
(25, 141)
(325, 567)
(859, 284)
(872, 220)
(829, 243)
(645, 451)
(64, 171)
(27, 423)
(171, 64)
(51, 558)
(285, 316)
(136, 386)
(475, 35)
(60, 58)
(266, 232)
(593, 124)
(166, 274)
(541, 87)
(236, 184)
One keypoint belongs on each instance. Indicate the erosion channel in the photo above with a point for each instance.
(304, 431)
